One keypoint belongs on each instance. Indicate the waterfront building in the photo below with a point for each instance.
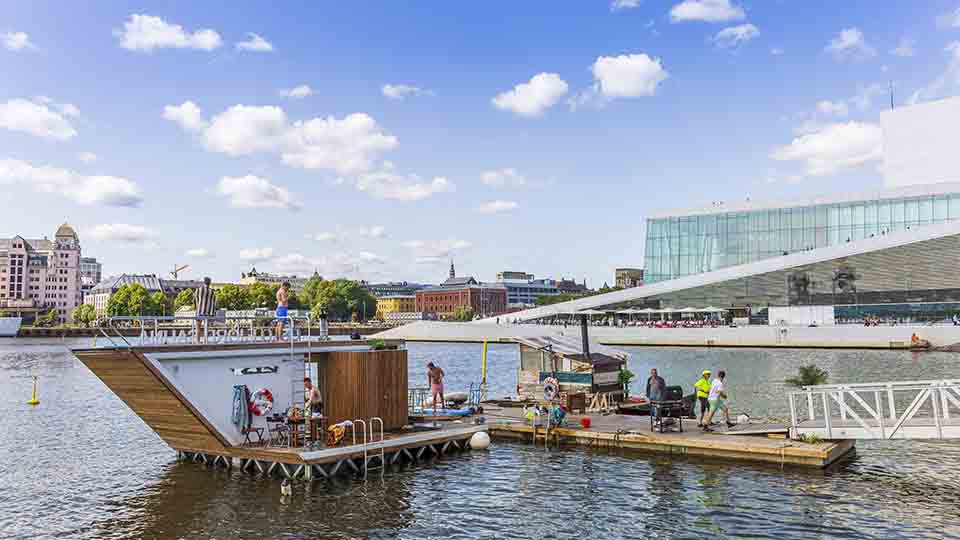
(569, 286)
(37, 275)
(296, 283)
(392, 288)
(890, 254)
(91, 273)
(99, 295)
(624, 278)
(485, 299)
(386, 305)
(523, 289)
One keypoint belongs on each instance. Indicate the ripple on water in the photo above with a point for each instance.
(81, 465)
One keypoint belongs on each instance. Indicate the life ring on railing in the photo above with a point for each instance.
(261, 402)
(551, 387)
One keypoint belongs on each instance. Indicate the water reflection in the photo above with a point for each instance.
(82, 466)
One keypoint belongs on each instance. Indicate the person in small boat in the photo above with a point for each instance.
(283, 300)
(918, 343)
(435, 380)
(703, 392)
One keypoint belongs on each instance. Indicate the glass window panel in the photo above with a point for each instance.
(821, 216)
(954, 207)
(796, 241)
(870, 213)
(911, 212)
(871, 229)
(898, 212)
(773, 218)
(940, 209)
(846, 216)
(833, 216)
(858, 215)
(926, 210)
(796, 221)
(883, 214)
(820, 239)
(809, 217)
(808, 237)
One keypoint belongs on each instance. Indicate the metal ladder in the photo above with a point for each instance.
(353, 430)
(380, 453)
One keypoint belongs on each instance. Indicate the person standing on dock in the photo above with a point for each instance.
(435, 380)
(283, 300)
(717, 396)
(205, 301)
(655, 386)
(703, 392)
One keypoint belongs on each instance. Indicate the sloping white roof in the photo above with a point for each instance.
(773, 264)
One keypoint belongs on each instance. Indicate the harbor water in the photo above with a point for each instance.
(81, 465)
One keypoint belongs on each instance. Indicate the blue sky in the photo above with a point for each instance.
(147, 127)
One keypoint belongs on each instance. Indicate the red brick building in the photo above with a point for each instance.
(485, 299)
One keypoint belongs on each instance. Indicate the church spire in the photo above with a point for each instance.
(453, 273)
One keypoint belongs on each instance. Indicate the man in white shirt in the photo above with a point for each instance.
(716, 398)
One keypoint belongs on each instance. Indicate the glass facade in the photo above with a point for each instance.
(679, 246)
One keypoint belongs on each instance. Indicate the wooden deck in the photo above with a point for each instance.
(633, 432)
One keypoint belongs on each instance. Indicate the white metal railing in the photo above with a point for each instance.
(886, 410)
(159, 331)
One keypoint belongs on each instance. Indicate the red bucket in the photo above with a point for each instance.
(585, 422)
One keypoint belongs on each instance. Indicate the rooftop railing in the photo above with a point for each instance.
(203, 330)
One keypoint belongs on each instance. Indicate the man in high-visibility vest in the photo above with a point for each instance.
(703, 392)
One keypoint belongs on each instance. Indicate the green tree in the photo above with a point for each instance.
(84, 314)
(463, 314)
(159, 304)
(119, 303)
(138, 301)
(49, 318)
(311, 291)
(343, 300)
(233, 297)
(809, 375)
(262, 295)
(183, 298)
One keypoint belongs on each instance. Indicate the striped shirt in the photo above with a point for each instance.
(206, 302)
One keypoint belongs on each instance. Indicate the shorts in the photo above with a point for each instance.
(436, 389)
(281, 311)
(704, 404)
(716, 405)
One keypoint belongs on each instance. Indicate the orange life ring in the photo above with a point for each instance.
(261, 402)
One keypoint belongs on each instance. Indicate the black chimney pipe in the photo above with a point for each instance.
(584, 336)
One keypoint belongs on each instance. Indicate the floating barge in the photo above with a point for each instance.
(765, 444)
(184, 393)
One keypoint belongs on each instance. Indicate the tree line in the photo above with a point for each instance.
(339, 299)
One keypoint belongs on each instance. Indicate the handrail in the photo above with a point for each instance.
(221, 329)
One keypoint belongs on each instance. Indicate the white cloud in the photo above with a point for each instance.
(255, 255)
(187, 115)
(835, 147)
(403, 91)
(198, 253)
(706, 10)
(850, 43)
(832, 108)
(435, 251)
(148, 33)
(945, 81)
(776, 51)
(531, 99)
(333, 264)
(386, 183)
(297, 92)
(734, 36)
(17, 41)
(255, 43)
(498, 178)
(863, 100)
(376, 231)
(123, 233)
(255, 192)
(617, 5)
(87, 157)
(905, 48)
(496, 207)
(85, 190)
(628, 75)
(348, 146)
(950, 19)
(35, 119)
(327, 237)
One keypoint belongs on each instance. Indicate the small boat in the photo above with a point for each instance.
(10, 326)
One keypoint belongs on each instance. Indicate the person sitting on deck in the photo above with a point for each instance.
(435, 380)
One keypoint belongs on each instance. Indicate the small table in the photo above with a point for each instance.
(296, 432)
(246, 434)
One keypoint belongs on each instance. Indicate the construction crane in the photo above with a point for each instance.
(178, 269)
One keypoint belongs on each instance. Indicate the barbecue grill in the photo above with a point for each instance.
(667, 414)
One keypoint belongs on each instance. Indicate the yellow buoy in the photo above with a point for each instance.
(34, 400)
